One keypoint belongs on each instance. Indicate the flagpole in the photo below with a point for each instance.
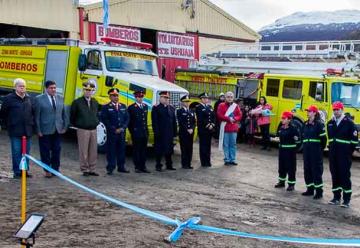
(23, 182)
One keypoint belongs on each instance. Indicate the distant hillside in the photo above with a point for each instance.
(300, 26)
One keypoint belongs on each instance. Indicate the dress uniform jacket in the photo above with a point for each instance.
(164, 127)
(114, 118)
(138, 120)
(343, 138)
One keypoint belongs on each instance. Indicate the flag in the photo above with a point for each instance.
(106, 19)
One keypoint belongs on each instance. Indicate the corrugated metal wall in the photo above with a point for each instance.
(47, 14)
(167, 15)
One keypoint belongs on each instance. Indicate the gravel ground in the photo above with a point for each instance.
(241, 198)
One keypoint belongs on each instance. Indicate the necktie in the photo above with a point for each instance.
(53, 102)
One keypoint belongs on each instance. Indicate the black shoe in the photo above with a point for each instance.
(233, 163)
(290, 187)
(28, 175)
(345, 204)
(92, 173)
(187, 167)
(170, 168)
(138, 171)
(334, 201)
(123, 171)
(226, 163)
(145, 171)
(318, 196)
(280, 185)
(158, 169)
(17, 176)
(263, 148)
(308, 192)
(86, 174)
(109, 173)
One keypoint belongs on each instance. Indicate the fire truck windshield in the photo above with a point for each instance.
(347, 93)
(117, 61)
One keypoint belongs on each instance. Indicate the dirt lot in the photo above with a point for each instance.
(240, 198)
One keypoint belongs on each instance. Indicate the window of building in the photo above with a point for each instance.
(276, 48)
(323, 47)
(317, 90)
(298, 47)
(287, 48)
(311, 47)
(94, 60)
(265, 48)
(272, 87)
(292, 89)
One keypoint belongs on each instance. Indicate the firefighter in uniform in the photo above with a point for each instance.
(343, 138)
(314, 142)
(206, 127)
(186, 121)
(289, 136)
(165, 129)
(138, 127)
(115, 117)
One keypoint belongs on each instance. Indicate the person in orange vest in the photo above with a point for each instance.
(343, 139)
(289, 136)
(314, 142)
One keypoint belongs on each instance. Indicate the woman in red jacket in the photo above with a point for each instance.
(229, 115)
(262, 111)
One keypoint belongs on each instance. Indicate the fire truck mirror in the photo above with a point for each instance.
(82, 62)
(109, 81)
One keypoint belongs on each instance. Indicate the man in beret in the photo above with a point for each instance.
(206, 127)
(138, 127)
(165, 128)
(115, 117)
(84, 117)
(186, 120)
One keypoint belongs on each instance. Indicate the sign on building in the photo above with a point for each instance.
(172, 45)
(117, 32)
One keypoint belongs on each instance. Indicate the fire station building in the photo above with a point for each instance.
(179, 30)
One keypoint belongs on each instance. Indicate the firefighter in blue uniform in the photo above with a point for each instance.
(206, 127)
(115, 117)
(289, 137)
(314, 142)
(186, 121)
(165, 129)
(138, 127)
(343, 138)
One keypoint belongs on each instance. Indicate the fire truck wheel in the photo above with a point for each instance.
(101, 137)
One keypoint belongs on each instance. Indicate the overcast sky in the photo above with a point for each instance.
(258, 13)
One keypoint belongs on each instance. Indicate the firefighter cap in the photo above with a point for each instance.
(185, 98)
(89, 85)
(337, 105)
(139, 93)
(287, 115)
(113, 91)
(203, 95)
(164, 94)
(312, 108)
(221, 94)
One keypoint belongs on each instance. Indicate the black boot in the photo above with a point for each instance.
(291, 187)
(280, 184)
(318, 194)
(309, 192)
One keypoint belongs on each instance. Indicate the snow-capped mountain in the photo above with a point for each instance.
(319, 25)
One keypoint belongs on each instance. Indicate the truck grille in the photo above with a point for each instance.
(174, 99)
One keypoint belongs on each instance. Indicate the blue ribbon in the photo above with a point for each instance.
(193, 223)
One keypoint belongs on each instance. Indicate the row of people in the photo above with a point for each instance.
(342, 138)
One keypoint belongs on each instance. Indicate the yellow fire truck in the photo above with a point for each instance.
(283, 91)
(128, 66)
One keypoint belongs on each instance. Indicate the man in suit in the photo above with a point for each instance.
(115, 117)
(165, 129)
(186, 121)
(51, 121)
(206, 127)
(138, 127)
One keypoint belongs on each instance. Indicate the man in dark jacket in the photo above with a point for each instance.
(17, 111)
(84, 116)
(138, 127)
(165, 128)
(115, 117)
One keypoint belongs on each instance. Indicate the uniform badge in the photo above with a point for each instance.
(355, 133)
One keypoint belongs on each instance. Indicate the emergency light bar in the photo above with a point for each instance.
(140, 45)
